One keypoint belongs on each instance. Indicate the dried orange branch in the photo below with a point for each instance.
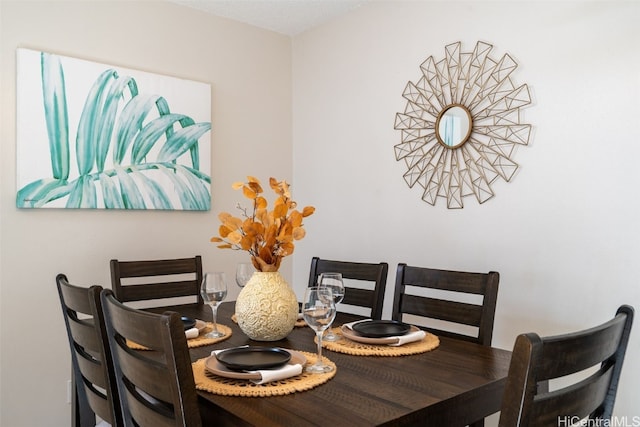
(268, 236)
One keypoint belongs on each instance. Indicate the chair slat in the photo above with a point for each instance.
(84, 334)
(457, 281)
(157, 267)
(98, 401)
(602, 340)
(579, 400)
(350, 270)
(92, 370)
(159, 290)
(141, 328)
(151, 415)
(450, 311)
(150, 375)
(359, 297)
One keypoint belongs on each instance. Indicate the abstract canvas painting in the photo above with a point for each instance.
(96, 136)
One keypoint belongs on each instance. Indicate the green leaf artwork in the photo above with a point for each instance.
(129, 150)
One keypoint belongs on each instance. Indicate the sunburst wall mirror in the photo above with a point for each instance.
(461, 125)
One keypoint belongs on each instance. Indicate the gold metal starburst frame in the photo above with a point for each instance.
(481, 87)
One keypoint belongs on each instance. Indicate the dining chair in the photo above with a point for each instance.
(368, 287)
(447, 297)
(586, 399)
(94, 390)
(156, 279)
(156, 387)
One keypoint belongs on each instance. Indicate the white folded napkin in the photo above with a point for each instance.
(410, 337)
(192, 333)
(350, 325)
(268, 375)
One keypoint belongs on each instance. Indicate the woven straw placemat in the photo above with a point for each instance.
(215, 384)
(299, 323)
(345, 345)
(199, 341)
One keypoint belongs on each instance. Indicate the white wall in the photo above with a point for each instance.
(564, 234)
(250, 75)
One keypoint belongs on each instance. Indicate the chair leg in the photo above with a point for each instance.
(81, 413)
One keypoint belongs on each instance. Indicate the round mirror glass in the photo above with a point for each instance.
(453, 126)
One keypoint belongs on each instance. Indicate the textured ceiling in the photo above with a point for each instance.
(288, 17)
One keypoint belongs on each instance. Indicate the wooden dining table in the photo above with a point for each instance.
(457, 383)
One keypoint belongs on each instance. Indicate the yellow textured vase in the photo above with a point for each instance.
(267, 307)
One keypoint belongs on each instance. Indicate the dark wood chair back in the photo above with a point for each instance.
(94, 389)
(372, 280)
(412, 297)
(156, 279)
(537, 360)
(156, 386)
(481, 316)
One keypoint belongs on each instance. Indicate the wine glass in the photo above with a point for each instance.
(214, 290)
(318, 310)
(244, 271)
(335, 283)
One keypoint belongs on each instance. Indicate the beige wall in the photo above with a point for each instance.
(564, 234)
(250, 75)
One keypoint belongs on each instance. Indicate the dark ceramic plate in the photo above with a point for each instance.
(381, 328)
(188, 322)
(253, 358)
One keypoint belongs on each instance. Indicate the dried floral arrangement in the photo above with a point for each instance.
(268, 236)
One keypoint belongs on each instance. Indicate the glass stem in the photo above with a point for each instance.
(214, 310)
(319, 361)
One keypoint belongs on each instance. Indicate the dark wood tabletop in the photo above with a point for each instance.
(457, 383)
